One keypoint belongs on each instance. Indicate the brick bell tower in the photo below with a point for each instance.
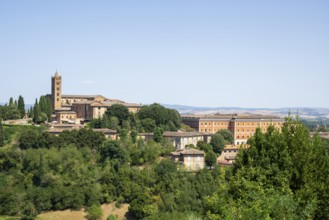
(56, 91)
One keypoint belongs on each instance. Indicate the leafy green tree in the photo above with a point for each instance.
(211, 159)
(95, 212)
(201, 145)
(21, 106)
(217, 142)
(114, 123)
(113, 150)
(148, 124)
(158, 135)
(227, 135)
(123, 133)
(105, 122)
(119, 111)
(29, 212)
(133, 135)
(168, 119)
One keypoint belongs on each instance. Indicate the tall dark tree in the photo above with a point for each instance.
(11, 102)
(31, 113)
(2, 134)
(37, 112)
(21, 106)
(49, 109)
(43, 104)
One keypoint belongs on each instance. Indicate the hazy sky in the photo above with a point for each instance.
(200, 53)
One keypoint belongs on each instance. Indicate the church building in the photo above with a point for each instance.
(78, 108)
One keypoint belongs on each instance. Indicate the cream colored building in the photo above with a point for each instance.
(191, 159)
(229, 153)
(242, 126)
(180, 139)
(86, 107)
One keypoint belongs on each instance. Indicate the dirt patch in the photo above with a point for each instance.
(63, 215)
(108, 209)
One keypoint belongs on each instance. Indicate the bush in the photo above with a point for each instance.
(95, 212)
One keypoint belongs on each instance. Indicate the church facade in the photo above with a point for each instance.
(77, 108)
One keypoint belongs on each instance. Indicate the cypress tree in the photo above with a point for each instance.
(49, 109)
(11, 102)
(31, 114)
(36, 112)
(2, 135)
(21, 106)
(43, 104)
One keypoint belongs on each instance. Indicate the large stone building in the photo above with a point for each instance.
(242, 126)
(75, 108)
(180, 139)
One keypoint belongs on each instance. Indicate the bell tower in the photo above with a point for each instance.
(56, 91)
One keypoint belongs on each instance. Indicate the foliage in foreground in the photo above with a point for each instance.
(281, 176)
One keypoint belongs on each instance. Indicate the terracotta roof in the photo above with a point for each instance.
(82, 96)
(236, 147)
(176, 134)
(182, 134)
(231, 116)
(188, 152)
(66, 112)
(105, 130)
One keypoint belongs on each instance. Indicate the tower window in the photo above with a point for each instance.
(57, 94)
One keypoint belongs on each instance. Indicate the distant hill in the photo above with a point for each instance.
(303, 112)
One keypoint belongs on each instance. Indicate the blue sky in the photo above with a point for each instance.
(200, 53)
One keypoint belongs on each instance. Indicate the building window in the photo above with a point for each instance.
(57, 94)
(57, 99)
